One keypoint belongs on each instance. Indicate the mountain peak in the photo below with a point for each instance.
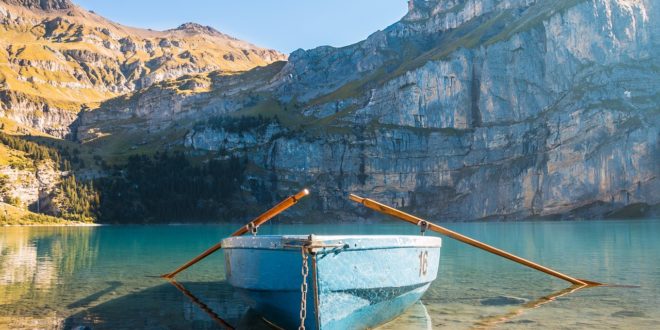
(191, 27)
(421, 9)
(42, 4)
(424, 9)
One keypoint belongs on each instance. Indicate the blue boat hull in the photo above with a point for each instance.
(354, 282)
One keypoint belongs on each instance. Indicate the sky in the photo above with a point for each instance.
(284, 25)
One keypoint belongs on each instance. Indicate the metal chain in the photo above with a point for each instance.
(303, 289)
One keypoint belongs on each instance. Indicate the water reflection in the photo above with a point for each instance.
(213, 305)
(416, 317)
(199, 303)
(98, 277)
(492, 321)
(32, 261)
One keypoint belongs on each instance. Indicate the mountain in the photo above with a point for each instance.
(464, 109)
(61, 58)
(42, 4)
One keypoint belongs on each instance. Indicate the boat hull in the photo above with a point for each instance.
(354, 282)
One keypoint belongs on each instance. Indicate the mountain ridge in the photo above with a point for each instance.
(42, 4)
(475, 109)
(199, 28)
(61, 64)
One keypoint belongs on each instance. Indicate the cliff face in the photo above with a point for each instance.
(462, 110)
(28, 184)
(475, 109)
(61, 59)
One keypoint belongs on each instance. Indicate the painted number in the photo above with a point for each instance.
(423, 262)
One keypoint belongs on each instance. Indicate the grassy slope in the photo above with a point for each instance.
(11, 215)
(29, 50)
(9, 156)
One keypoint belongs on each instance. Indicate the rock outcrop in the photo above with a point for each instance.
(37, 113)
(34, 187)
(42, 4)
(59, 56)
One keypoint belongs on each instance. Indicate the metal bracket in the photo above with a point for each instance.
(252, 228)
(312, 245)
(424, 225)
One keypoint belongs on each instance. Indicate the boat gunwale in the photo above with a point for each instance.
(331, 243)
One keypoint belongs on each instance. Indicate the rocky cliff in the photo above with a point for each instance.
(28, 184)
(59, 59)
(468, 110)
(464, 109)
(42, 4)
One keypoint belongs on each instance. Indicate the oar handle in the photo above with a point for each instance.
(193, 261)
(275, 210)
(415, 220)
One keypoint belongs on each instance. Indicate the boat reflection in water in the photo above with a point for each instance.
(416, 317)
(198, 305)
(216, 305)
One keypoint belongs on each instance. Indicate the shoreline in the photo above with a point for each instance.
(239, 224)
(81, 224)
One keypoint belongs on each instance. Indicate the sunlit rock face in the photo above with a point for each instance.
(42, 4)
(58, 59)
(553, 110)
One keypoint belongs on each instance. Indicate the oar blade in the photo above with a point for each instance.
(591, 283)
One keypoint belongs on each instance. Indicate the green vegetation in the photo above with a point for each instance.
(12, 215)
(238, 124)
(78, 201)
(4, 184)
(162, 187)
(168, 187)
(5, 190)
(266, 107)
(31, 219)
(35, 151)
(142, 189)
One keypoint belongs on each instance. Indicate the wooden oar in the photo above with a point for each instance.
(277, 209)
(418, 221)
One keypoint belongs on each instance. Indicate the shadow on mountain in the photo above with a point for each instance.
(195, 305)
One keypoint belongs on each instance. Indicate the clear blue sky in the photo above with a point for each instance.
(285, 25)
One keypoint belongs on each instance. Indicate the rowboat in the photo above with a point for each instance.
(331, 282)
(356, 282)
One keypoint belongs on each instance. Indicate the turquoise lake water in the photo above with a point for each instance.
(100, 277)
